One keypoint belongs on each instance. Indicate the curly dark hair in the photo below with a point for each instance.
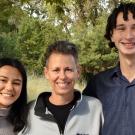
(111, 22)
(16, 115)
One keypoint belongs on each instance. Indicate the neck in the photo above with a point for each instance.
(4, 111)
(127, 66)
(61, 99)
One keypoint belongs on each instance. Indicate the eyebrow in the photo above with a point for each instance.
(14, 79)
(119, 25)
(3, 76)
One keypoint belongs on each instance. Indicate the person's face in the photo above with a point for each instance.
(62, 72)
(124, 35)
(10, 85)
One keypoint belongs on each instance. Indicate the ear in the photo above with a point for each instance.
(46, 72)
(78, 71)
(112, 39)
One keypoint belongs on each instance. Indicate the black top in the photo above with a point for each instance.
(60, 112)
(117, 95)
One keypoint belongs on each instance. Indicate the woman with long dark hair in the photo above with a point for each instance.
(13, 96)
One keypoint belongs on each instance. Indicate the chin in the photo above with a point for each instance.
(65, 91)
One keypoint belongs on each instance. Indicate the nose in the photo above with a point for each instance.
(62, 75)
(9, 86)
(129, 34)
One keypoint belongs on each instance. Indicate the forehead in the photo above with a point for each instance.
(10, 71)
(61, 59)
(120, 18)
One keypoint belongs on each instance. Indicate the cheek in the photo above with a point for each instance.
(18, 91)
(52, 77)
(73, 77)
(116, 37)
(1, 86)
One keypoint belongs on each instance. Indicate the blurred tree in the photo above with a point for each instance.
(27, 27)
(33, 37)
(10, 16)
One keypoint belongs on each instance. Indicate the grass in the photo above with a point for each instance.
(37, 85)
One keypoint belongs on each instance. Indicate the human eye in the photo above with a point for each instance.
(120, 28)
(2, 80)
(17, 82)
(133, 27)
(69, 69)
(56, 70)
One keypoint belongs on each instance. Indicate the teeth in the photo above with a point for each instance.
(62, 84)
(130, 43)
(7, 94)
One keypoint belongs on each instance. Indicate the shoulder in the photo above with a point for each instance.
(92, 102)
(30, 107)
(39, 101)
(106, 72)
(31, 104)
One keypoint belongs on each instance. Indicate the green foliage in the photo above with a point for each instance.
(33, 38)
(95, 55)
(10, 16)
(7, 45)
(27, 27)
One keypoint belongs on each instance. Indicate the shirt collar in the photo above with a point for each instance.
(116, 71)
(40, 106)
(4, 111)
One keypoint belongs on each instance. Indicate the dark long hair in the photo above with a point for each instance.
(111, 22)
(17, 114)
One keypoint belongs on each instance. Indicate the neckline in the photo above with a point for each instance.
(4, 111)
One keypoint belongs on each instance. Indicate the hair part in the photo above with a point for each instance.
(125, 8)
(61, 47)
(16, 115)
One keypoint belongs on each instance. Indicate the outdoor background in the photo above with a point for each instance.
(27, 27)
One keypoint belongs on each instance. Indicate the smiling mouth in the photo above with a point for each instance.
(128, 45)
(63, 84)
(7, 94)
